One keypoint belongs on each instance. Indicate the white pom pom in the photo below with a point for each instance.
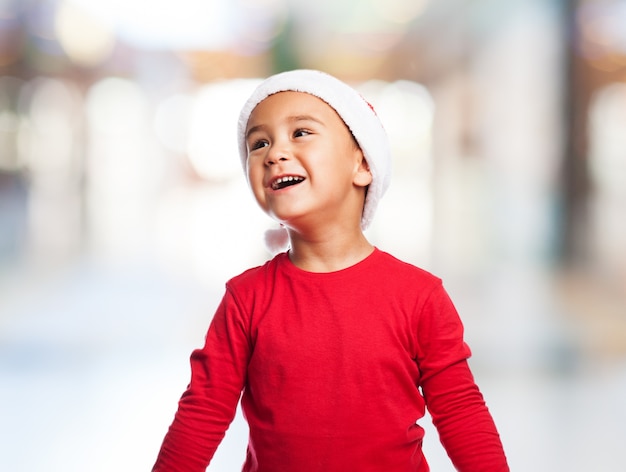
(276, 240)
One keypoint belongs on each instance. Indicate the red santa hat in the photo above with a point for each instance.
(358, 115)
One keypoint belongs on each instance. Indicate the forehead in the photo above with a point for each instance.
(290, 103)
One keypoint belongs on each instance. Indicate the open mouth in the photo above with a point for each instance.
(287, 181)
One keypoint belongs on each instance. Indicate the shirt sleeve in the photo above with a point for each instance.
(465, 426)
(208, 406)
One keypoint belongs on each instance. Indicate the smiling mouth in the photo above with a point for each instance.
(287, 181)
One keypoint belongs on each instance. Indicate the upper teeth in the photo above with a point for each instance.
(280, 180)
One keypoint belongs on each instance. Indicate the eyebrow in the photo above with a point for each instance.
(305, 118)
(290, 119)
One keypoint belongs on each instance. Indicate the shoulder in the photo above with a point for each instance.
(402, 271)
(256, 276)
(254, 289)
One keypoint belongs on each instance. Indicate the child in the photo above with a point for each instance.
(337, 346)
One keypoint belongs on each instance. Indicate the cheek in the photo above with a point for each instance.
(254, 171)
(255, 181)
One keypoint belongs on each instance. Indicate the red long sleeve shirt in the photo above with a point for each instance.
(335, 370)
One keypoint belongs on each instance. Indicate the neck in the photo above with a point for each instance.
(328, 253)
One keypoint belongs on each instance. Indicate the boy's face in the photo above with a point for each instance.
(304, 166)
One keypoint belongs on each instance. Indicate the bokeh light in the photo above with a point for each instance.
(212, 144)
(86, 39)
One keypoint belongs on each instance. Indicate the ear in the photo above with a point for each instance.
(363, 174)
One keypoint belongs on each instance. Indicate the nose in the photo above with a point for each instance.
(277, 152)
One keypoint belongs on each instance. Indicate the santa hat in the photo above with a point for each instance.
(358, 115)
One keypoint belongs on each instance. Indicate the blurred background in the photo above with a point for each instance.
(123, 207)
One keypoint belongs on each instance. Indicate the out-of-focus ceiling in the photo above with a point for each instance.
(417, 39)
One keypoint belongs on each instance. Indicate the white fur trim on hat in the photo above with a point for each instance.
(358, 115)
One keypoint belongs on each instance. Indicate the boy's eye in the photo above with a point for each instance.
(301, 132)
(258, 144)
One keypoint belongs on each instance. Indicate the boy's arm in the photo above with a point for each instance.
(466, 428)
(456, 405)
(208, 406)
